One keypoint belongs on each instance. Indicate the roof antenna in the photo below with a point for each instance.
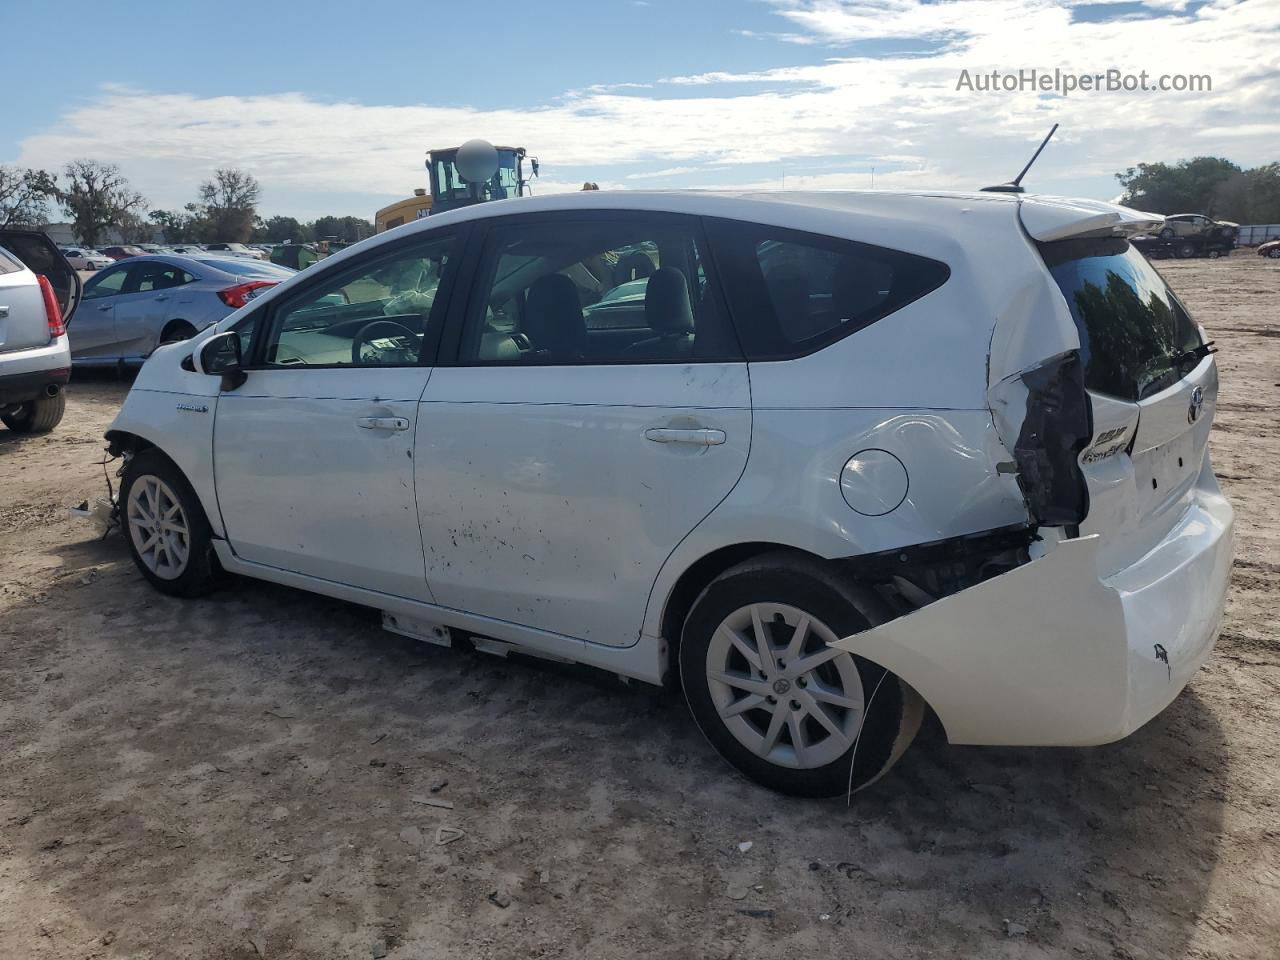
(1015, 185)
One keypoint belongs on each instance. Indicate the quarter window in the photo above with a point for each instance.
(616, 290)
(375, 313)
(792, 293)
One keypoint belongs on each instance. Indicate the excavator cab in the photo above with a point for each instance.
(477, 172)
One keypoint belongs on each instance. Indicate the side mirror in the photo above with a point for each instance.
(220, 356)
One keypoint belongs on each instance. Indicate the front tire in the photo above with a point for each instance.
(771, 696)
(165, 526)
(37, 416)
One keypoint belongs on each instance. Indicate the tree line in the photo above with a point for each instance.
(1210, 185)
(97, 198)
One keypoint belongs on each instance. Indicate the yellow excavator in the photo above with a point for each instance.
(475, 172)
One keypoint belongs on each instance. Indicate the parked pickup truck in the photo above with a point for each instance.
(38, 294)
(1211, 245)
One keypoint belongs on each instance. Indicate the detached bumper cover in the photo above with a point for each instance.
(1051, 654)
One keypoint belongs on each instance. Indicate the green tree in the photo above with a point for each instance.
(279, 229)
(1250, 197)
(345, 229)
(227, 208)
(24, 195)
(1187, 186)
(97, 197)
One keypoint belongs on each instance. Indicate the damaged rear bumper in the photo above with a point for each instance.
(1052, 654)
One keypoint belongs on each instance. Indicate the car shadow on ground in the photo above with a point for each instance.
(192, 719)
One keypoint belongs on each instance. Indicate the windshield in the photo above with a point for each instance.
(1134, 333)
(451, 185)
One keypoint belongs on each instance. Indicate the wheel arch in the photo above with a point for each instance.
(122, 442)
(700, 574)
(173, 325)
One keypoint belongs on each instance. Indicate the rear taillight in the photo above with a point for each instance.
(1058, 425)
(52, 312)
(242, 293)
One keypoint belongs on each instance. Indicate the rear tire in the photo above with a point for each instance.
(165, 526)
(753, 711)
(175, 331)
(37, 416)
(1274, 254)
(1185, 251)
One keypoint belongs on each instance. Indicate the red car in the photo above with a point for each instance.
(1270, 249)
(123, 252)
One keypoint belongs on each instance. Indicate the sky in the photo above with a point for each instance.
(333, 105)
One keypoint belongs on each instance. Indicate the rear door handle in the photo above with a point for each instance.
(383, 423)
(106, 308)
(700, 436)
(162, 297)
(4, 311)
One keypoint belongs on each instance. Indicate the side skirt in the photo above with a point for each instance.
(641, 661)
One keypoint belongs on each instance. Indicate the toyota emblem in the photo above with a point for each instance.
(1197, 403)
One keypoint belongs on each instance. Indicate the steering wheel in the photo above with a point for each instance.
(383, 329)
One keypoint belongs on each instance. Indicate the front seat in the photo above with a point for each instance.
(669, 314)
(553, 319)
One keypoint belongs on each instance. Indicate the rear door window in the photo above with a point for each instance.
(792, 293)
(1136, 338)
(616, 289)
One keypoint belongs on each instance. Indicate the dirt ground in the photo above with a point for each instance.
(243, 776)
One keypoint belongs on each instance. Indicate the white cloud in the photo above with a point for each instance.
(825, 124)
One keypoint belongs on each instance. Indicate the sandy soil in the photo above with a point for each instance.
(241, 776)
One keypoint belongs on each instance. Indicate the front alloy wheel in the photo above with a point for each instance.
(167, 530)
(158, 527)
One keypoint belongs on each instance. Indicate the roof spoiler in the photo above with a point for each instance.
(1057, 218)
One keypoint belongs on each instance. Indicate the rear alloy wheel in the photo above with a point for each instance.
(37, 416)
(176, 331)
(1185, 251)
(1274, 254)
(771, 694)
(169, 536)
(794, 706)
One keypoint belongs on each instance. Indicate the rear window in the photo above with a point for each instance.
(1134, 333)
(793, 293)
(249, 268)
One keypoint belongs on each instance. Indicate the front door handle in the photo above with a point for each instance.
(383, 423)
(4, 311)
(106, 308)
(162, 297)
(700, 436)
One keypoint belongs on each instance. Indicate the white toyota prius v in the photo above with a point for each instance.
(822, 460)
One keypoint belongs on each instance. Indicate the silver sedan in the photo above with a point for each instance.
(134, 306)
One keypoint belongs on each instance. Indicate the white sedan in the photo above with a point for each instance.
(86, 258)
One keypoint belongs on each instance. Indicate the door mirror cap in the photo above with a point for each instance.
(220, 356)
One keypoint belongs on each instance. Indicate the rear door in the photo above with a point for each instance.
(559, 461)
(150, 297)
(41, 255)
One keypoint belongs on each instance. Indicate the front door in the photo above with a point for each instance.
(93, 332)
(595, 410)
(314, 453)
